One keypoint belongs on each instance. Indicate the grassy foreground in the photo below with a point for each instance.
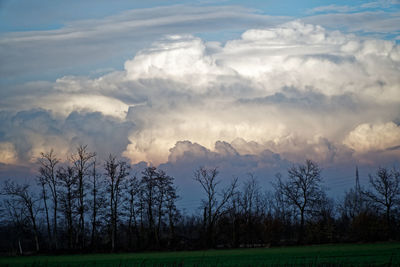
(384, 254)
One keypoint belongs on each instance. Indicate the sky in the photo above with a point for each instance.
(245, 86)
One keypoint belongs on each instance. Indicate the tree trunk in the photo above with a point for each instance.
(112, 238)
(55, 224)
(171, 228)
(236, 233)
(301, 234)
(132, 218)
(81, 213)
(115, 221)
(141, 224)
(210, 236)
(157, 232)
(20, 247)
(37, 241)
(69, 219)
(35, 231)
(112, 217)
(388, 221)
(136, 231)
(93, 241)
(130, 230)
(151, 221)
(47, 211)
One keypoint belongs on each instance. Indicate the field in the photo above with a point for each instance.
(384, 254)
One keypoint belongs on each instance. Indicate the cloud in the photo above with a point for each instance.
(379, 18)
(65, 104)
(380, 3)
(224, 156)
(181, 59)
(8, 154)
(186, 150)
(380, 23)
(290, 91)
(24, 135)
(366, 137)
(293, 86)
(332, 8)
(79, 45)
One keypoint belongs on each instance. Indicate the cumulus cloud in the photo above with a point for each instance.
(225, 157)
(8, 154)
(366, 137)
(24, 135)
(296, 89)
(276, 94)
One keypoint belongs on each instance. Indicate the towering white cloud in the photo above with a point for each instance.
(366, 137)
(296, 91)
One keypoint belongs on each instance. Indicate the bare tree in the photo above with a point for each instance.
(13, 213)
(148, 198)
(353, 202)
(172, 211)
(68, 182)
(164, 185)
(82, 161)
(97, 202)
(141, 210)
(47, 170)
(215, 201)
(279, 206)
(250, 204)
(385, 191)
(132, 188)
(20, 195)
(43, 187)
(116, 172)
(157, 202)
(235, 215)
(349, 207)
(302, 190)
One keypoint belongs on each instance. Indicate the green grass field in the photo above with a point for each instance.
(384, 254)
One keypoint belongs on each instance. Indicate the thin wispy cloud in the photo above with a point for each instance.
(86, 40)
(333, 8)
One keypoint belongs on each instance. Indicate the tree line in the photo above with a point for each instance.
(84, 205)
